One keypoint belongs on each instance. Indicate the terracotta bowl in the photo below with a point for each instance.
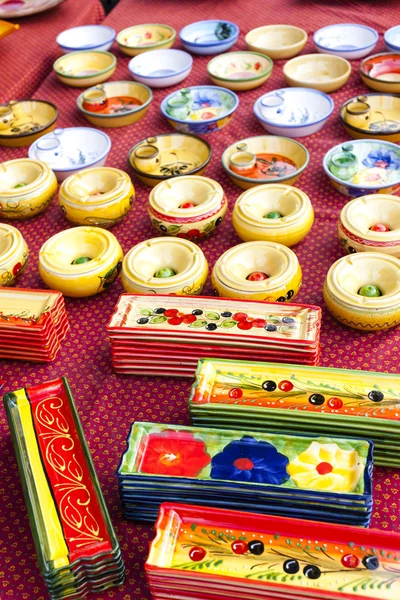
(142, 38)
(24, 121)
(13, 254)
(277, 41)
(324, 72)
(240, 71)
(85, 67)
(372, 116)
(381, 72)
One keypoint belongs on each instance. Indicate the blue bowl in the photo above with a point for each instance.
(392, 39)
(209, 37)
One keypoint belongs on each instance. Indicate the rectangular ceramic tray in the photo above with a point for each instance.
(244, 555)
(26, 307)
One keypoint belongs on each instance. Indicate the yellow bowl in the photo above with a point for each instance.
(118, 89)
(348, 275)
(24, 121)
(324, 72)
(240, 71)
(291, 214)
(277, 41)
(13, 254)
(58, 256)
(381, 72)
(278, 264)
(372, 116)
(244, 157)
(85, 67)
(180, 256)
(141, 38)
(101, 196)
(194, 222)
(169, 155)
(26, 188)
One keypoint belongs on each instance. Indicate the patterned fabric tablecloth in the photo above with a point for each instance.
(108, 403)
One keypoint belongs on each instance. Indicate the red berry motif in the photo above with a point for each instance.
(171, 312)
(285, 386)
(196, 553)
(259, 323)
(245, 325)
(239, 547)
(350, 561)
(189, 318)
(239, 316)
(324, 468)
(379, 227)
(187, 205)
(193, 233)
(335, 403)
(175, 320)
(257, 276)
(17, 268)
(235, 393)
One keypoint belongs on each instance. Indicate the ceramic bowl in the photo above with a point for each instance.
(26, 188)
(141, 38)
(169, 155)
(24, 121)
(392, 39)
(63, 263)
(85, 68)
(273, 269)
(115, 104)
(101, 196)
(161, 68)
(374, 116)
(277, 41)
(348, 40)
(371, 224)
(189, 207)
(200, 108)
(265, 159)
(364, 167)
(7, 28)
(273, 213)
(86, 37)
(209, 37)
(349, 275)
(13, 254)
(182, 264)
(293, 112)
(323, 72)
(381, 72)
(67, 151)
(240, 71)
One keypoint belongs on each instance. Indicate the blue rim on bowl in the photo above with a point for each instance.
(88, 46)
(386, 37)
(202, 87)
(350, 50)
(234, 36)
(172, 74)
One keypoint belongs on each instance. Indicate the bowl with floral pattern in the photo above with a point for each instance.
(13, 254)
(209, 37)
(381, 72)
(362, 167)
(142, 38)
(200, 109)
(374, 116)
(348, 40)
(277, 41)
(85, 67)
(240, 71)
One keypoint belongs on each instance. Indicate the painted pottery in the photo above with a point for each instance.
(240, 71)
(24, 121)
(85, 67)
(348, 40)
(209, 37)
(381, 72)
(13, 254)
(142, 38)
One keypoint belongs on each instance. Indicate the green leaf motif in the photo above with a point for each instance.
(173, 228)
(213, 316)
(228, 324)
(158, 319)
(146, 311)
(198, 323)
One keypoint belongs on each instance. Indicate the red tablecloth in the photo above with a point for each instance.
(108, 403)
(27, 56)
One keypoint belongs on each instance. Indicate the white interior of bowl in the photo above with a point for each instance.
(300, 106)
(160, 63)
(243, 261)
(168, 196)
(262, 200)
(147, 258)
(60, 251)
(95, 185)
(362, 213)
(345, 37)
(86, 37)
(16, 176)
(370, 269)
(392, 36)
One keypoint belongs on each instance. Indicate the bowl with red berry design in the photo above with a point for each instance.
(165, 266)
(259, 270)
(240, 71)
(13, 254)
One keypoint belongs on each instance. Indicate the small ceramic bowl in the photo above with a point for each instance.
(85, 68)
(115, 104)
(13, 254)
(364, 167)
(364, 273)
(381, 72)
(169, 155)
(257, 271)
(86, 37)
(265, 159)
(273, 213)
(161, 68)
(293, 112)
(67, 151)
(165, 266)
(374, 116)
(277, 41)
(101, 196)
(26, 188)
(81, 261)
(189, 207)
(348, 40)
(240, 71)
(323, 72)
(371, 224)
(209, 37)
(200, 108)
(24, 121)
(392, 39)
(141, 38)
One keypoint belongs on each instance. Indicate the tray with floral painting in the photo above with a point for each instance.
(25, 309)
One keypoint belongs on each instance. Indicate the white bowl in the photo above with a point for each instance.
(69, 150)
(293, 112)
(161, 68)
(207, 37)
(86, 37)
(392, 39)
(348, 40)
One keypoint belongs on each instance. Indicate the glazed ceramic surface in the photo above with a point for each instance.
(85, 68)
(22, 122)
(374, 116)
(277, 41)
(348, 40)
(13, 254)
(7, 28)
(141, 38)
(86, 37)
(58, 255)
(392, 39)
(293, 112)
(240, 71)
(23, 8)
(323, 72)
(209, 37)
(363, 166)
(199, 109)
(161, 68)
(381, 72)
